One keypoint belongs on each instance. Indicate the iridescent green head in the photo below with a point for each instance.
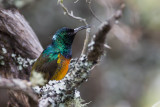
(61, 42)
(66, 35)
(63, 39)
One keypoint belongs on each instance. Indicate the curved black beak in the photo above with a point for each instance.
(81, 28)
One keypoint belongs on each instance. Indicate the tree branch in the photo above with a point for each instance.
(98, 44)
(61, 92)
(70, 14)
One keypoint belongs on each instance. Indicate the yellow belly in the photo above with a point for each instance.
(63, 65)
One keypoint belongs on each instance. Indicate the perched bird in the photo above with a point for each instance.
(54, 61)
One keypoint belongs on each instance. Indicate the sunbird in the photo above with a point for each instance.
(54, 61)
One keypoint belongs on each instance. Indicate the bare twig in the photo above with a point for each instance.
(76, 1)
(89, 5)
(70, 14)
(86, 41)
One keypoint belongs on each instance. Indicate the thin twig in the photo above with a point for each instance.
(89, 5)
(76, 1)
(86, 41)
(71, 14)
(82, 20)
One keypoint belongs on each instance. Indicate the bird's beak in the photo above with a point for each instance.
(81, 28)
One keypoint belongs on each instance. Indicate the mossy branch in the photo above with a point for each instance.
(19, 46)
(60, 92)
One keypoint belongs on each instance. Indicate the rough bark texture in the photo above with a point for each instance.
(19, 46)
(18, 43)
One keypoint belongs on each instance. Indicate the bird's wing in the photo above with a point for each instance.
(45, 66)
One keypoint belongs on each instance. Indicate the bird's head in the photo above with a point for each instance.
(66, 35)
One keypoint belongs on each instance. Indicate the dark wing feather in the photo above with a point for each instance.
(46, 67)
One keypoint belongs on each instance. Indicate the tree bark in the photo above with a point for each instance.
(19, 46)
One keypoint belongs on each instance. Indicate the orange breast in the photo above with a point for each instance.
(63, 65)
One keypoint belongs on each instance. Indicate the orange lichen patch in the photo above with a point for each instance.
(63, 65)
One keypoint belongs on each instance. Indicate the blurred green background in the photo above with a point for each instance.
(129, 74)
